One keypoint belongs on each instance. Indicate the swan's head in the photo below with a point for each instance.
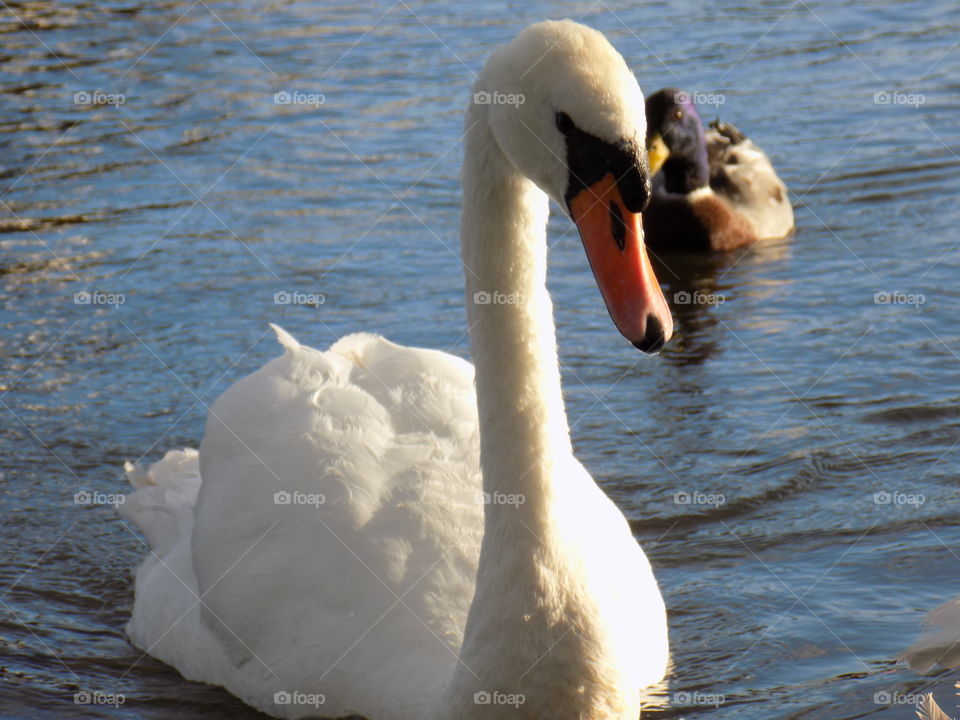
(567, 112)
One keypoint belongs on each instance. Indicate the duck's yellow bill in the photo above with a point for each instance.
(657, 153)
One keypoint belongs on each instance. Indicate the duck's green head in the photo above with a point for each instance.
(676, 143)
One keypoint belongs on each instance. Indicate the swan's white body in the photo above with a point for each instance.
(940, 642)
(442, 547)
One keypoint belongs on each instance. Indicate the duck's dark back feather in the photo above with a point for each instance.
(681, 223)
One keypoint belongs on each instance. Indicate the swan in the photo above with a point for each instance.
(939, 643)
(714, 189)
(390, 532)
(928, 709)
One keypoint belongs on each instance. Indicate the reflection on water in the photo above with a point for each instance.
(697, 286)
(154, 198)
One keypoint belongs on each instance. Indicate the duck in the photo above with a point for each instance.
(394, 532)
(713, 189)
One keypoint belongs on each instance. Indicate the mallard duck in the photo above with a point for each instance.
(712, 189)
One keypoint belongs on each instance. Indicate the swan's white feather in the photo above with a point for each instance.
(930, 710)
(940, 642)
(362, 597)
(162, 505)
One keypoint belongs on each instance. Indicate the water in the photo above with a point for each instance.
(797, 399)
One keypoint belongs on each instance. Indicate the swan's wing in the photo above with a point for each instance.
(162, 506)
(337, 529)
(742, 173)
(940, 642)
(166, 619)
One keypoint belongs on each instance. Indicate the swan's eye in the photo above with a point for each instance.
(564, 123)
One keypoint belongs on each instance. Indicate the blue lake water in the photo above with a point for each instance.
(827, 419)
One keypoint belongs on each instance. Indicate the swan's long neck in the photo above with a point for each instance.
(542, 624)
(525, 452)
(523, 425)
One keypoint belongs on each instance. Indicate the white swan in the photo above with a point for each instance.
(342, 553)
(939, 643)
(928, 709)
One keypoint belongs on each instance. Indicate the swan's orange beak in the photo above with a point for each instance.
(613, 239)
